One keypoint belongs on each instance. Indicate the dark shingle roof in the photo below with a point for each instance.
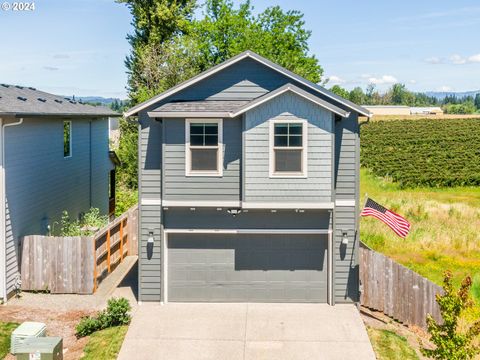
(23, 101)
(202, 106)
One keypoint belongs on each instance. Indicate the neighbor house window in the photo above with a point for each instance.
(203, 147)
(67, 138)
(288, 150)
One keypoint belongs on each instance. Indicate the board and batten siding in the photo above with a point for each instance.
(177, 186)
(317, 186)
(150, 165)
(41, 183)
(347, 173)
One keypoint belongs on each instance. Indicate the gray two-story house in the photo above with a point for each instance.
(54, 156)
(248, 188)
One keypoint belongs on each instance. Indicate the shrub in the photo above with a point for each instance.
(434, 153)
(116, 314)
(85, 226)
(450, 342)
(125, 198)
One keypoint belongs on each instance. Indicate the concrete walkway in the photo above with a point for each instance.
(178, 331)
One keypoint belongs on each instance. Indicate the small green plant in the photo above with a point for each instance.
(451, 343)
(87, 225)
(117, 313)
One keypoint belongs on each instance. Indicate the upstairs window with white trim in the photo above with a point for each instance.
(203, 147)
(67, 139)
(288, 148)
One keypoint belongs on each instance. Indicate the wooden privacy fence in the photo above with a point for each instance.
(77, 264)
(395, 290)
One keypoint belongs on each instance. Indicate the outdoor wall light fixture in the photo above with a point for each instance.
(150, 237)
(234, 212)
(344, 238)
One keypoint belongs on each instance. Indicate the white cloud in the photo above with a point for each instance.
(474, 58)
(335, 80)
(384, 79)
(457, 59)
(444, 88)
(51, 68)
(434, 60)
(412, 81)
(365, 76)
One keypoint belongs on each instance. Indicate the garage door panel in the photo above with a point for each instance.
(263, 268)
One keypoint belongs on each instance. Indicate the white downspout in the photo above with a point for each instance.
(3, 234)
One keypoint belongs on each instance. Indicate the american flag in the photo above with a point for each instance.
(398, 224)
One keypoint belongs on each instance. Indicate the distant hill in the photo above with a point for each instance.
(440, 95)
(97, 99)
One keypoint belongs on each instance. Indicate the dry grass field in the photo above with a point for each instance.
(445, 229)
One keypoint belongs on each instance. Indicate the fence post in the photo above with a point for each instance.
(121, 240)
(108, 250)
(94, 264)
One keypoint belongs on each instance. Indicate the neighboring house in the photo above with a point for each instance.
(249, 188)
(388, 109)
(428, 110)
(54, 157)
(403, 110)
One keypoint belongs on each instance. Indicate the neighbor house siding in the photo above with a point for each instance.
(317, 186)
(150, 162)
(41, 183)
(347, 160)
(177, 186)
(101, 165)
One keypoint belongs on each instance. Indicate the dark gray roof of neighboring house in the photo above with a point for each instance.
(233, 108)
(250, 54)
(27, 101)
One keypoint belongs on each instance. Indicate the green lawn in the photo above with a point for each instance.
(105, 344)
(390, 346)
(6, 329)
(445, 230)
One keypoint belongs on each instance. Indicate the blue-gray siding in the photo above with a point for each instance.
(317, 186)
(41, 183)
(150, 160)
(177, 186)
(347, 163)
(248, 80)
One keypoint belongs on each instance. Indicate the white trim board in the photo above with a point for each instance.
(328, 232)
(201, 203)
(287, 205)
(341, 202)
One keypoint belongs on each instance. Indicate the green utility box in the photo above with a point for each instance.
(42, 348)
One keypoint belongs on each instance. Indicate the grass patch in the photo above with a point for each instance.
(105, 344)
(6, 329)
(390, 346)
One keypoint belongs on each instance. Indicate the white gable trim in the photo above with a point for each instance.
(234, 60)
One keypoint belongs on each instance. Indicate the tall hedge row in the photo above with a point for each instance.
(426, 152)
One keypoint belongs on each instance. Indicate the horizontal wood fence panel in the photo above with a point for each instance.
(398, 292)
(77, 264)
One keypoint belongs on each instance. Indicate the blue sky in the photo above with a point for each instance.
(78, 47)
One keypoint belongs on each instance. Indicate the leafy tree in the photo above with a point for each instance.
(337, 89)
(450, 342)
(275, 34)
(357, 96)
(154, 22)
(467, 107)
(477, 101)
(127, 152)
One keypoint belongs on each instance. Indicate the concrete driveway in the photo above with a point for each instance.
(179, 331)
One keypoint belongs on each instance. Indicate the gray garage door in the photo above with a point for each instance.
(255, 268)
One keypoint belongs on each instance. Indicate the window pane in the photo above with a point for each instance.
(281, 129)
(211, 129)
(196, 140)
(295, 129)
(288, 160)
(295, 140)
(281, 140)
(196, 129)
(67, 138)
(204, 159)
(211, 140)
